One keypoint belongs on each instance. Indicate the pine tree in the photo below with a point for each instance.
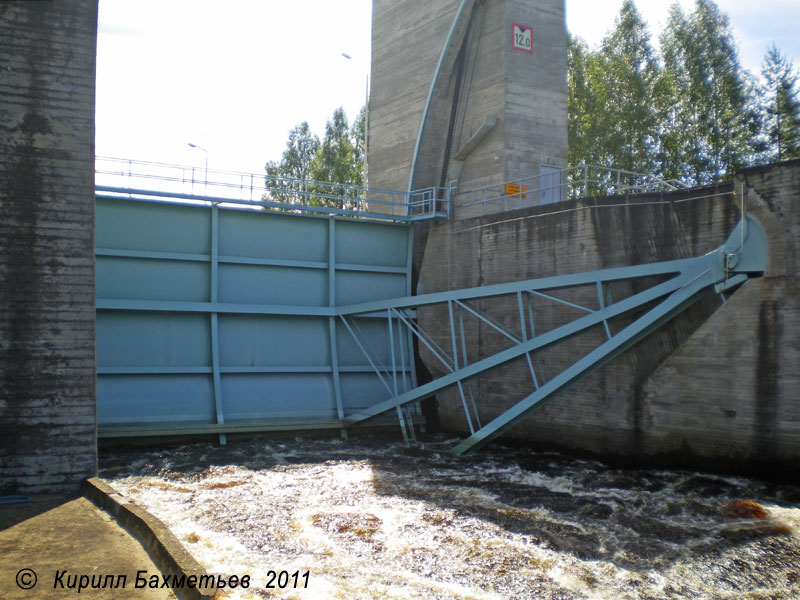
(781, 107)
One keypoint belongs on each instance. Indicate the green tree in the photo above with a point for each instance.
(781, 107)
(358, 133)
(285, 178)
(710, 128)
(581, 108)
(624, 82)
(613, 100)
(321, 173)
(679, 136)
(337, 161)
(589, 139)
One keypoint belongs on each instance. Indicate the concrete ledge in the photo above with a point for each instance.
(167, 552)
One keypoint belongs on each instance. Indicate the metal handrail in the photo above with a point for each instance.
(142, 179)
(574, 182)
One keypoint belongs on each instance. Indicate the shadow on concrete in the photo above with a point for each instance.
(12, 514)
(71, 536)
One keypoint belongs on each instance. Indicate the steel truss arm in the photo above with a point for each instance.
(652, 320)
(743, 255)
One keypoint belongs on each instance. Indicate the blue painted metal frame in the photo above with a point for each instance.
(213, 318)
(744, 255)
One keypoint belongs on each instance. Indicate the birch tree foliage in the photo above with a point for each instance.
(626, 84)
(710, 129)
(690, 112)
(338, 158)
(581, 105)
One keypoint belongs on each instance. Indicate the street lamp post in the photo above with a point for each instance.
(366, 125)
(206, 169)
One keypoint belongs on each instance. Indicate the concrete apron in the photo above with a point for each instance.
(48, 544)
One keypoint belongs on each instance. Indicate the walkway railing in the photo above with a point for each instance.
(546, 188)
(143, 179)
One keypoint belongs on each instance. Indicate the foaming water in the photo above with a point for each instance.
(373, 519)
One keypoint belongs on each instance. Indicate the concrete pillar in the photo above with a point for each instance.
(47, 333)
(498, 109)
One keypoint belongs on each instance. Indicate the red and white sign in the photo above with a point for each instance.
(521, 37)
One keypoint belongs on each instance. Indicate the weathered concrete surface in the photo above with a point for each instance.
(55, 533)
(482, 76)
(720, 392)
(47, 367)
(732, 390)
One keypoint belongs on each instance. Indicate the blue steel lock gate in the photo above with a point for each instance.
(218, 318)
(214, 320)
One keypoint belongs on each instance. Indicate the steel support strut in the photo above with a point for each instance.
(743, 255)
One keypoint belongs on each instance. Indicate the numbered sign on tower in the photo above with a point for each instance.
(521, 37)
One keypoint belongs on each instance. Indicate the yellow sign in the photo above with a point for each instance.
(514, 189)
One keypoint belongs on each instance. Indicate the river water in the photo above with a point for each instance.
(368, 518)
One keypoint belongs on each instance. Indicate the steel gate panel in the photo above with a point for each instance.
(213, 318)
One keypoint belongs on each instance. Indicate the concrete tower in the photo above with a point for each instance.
(473, 91)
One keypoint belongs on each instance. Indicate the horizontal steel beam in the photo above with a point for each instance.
(214, 307)
(547, 283)
(237, 260)
(201, 370)
(195, 428)
(397, 214)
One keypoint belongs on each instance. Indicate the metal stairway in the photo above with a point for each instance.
(679, 284)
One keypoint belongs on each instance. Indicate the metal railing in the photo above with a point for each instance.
(546, 188)
(143, 179)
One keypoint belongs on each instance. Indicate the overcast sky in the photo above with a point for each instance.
(233, 77)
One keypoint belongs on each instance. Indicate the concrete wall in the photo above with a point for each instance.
(482, 76)
(47, 358)
(732, 390)
(714, 388)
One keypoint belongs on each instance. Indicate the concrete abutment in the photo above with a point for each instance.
(716, 387)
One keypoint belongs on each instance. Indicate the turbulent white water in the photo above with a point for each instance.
(371, 519)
